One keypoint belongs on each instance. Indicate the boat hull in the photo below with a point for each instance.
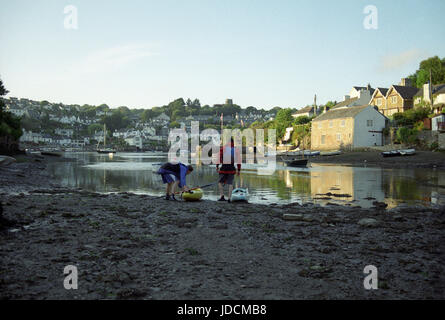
(398, 153)
(195, 195)
(106, 151)
(240, 195)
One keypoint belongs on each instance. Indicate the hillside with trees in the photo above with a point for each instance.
(10, 130)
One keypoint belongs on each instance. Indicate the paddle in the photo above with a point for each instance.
(195, 188)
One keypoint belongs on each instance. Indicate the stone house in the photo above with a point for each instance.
(399, 99)
(348, 128)
(378, 99)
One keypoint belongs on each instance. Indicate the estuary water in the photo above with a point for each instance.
(322, 184)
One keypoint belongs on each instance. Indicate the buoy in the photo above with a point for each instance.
(193, 195)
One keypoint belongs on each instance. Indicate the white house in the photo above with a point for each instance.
(134, 141)
(358, 96)
(438, 123)
(348, 127)
(65, 132)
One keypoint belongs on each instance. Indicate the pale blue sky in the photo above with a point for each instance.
(143, 53)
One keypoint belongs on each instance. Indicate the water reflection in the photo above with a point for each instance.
(135, 172)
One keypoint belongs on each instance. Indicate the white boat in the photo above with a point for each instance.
(306, 153)
(240, 194)
(397, 153)
(407, 152)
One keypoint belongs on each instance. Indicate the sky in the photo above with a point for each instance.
(262, 53)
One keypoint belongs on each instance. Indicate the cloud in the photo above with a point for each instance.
(395, 62)
(113, 58)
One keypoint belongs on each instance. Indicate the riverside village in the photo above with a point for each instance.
(310, 165)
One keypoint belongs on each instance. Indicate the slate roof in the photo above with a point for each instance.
(406, 92)
(438, 88)
(383, 91)
(305, 110)
(345, 103)
(340, 113)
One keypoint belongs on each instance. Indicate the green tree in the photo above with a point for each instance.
(283, 120)
(422, 75)
(10, 128)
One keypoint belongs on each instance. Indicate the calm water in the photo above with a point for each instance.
(136, 172)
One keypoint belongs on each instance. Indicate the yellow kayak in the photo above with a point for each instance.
(194, 195)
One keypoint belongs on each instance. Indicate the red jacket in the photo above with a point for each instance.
(232, 157)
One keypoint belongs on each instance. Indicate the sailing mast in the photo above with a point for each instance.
(105, 136)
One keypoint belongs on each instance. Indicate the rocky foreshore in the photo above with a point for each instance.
(128, 246)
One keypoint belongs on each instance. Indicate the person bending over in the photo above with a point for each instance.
(174, 175)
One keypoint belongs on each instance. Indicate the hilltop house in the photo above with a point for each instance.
(162, 119)
(424, 96)
(357, 92)
(398, 98)
(348, 127)
(308, 111)
(379, 99)
(358, 96)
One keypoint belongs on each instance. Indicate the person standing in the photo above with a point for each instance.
(174, 175)
(228, 157)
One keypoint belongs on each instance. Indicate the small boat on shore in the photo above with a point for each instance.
(398, 153)
(240, 195)
(192, 195)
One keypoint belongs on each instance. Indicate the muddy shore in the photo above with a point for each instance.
(128, 246)
(422, 159)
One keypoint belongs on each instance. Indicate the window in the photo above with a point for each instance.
(343, 123)
(379, 101)
(323, 138)
(320, 125)
(394, 99)
(338, 136)
(369, 123)
(331, 124)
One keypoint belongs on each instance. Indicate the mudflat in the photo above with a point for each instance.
(128, 246)
(422, 159)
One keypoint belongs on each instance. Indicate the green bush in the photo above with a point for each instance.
(406, 135)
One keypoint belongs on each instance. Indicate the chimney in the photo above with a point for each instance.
(406, 82)
(346, 97)
(426, 92)
(368, 87)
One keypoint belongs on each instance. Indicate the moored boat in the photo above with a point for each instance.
(296, 162)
